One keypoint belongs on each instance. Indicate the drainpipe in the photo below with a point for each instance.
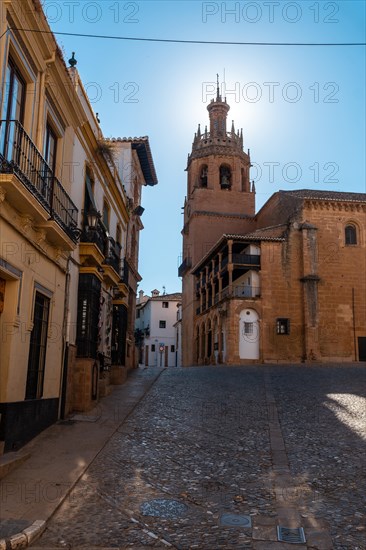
(354, 322)
(64, 355)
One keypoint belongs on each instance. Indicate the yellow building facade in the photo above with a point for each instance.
(64, 219)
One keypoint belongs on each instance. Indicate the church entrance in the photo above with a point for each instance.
(249, 334)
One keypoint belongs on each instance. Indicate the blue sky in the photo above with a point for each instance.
(302, 109)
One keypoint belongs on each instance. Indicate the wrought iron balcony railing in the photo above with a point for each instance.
(95, 235)
(112, 256)
(247, 259)
(20, 156)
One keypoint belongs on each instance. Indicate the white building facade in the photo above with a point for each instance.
(155, 329)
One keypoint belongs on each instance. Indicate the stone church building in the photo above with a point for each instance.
(286, 284)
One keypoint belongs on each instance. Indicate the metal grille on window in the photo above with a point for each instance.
(37, 348)
(88, 315)
(248, 328)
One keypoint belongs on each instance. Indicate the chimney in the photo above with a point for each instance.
(155, 293)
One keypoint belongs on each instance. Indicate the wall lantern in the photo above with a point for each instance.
(93, 217)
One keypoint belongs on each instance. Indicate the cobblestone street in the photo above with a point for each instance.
(284, 445)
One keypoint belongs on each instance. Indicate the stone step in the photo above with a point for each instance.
(10, 461)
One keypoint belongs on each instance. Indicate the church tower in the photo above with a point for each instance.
(220, 199)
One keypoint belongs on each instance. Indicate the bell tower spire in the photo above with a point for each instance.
(218, 110)
(220, 199)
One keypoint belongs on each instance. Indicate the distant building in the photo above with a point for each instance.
(286, 284)
(155, 329)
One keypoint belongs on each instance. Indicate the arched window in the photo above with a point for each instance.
(106, 215)
(225, 176)
(350, 234)
(203, 176)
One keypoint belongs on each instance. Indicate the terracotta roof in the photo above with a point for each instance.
(271, 233)
(142, 147)
(167, 297)
(326, 195)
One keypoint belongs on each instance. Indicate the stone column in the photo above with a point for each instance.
(230, 266)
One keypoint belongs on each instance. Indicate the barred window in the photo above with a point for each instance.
(283, 326)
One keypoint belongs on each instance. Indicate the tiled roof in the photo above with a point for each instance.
(167, 297)
(272, 233)
(142, 147)
(326, 195)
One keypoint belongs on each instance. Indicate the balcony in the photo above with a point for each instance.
(113, 255)
(35, 190)
(247, 259)
(184, 266)
(93, 244)
(111, 264)
(241, 291)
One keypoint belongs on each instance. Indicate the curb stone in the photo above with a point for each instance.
(25, 537)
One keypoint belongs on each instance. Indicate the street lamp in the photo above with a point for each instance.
(93, 216)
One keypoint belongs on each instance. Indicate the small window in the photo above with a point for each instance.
(162, 324)
(152, 347)
(283, 326)
(248, 328)
(165, 305)
(350, 234)
(172, 349)
(138, 314)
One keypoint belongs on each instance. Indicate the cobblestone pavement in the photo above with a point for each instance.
(206, 440)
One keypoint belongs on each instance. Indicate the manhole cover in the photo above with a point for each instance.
(235, 520)
(294, 536)
(163, 508)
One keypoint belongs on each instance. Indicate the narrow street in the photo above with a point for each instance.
(210, 442)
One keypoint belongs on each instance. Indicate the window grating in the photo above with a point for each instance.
(88, 315)
(294, 536)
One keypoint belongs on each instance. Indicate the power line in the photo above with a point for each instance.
(177, 41)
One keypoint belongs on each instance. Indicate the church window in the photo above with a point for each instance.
(350, 234)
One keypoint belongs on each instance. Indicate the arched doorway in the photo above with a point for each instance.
(249, 335)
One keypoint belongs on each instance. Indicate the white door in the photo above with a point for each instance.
(249, 334)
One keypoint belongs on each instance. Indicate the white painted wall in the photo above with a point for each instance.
(150, 316)
(249, 334)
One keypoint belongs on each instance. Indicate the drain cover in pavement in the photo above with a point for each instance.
(294, 536)
(163, 508)
(235, 520)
